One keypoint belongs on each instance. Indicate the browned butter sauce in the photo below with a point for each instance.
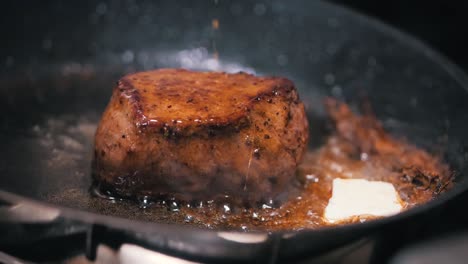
(358, 147)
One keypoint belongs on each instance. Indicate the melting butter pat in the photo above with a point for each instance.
(359, 197)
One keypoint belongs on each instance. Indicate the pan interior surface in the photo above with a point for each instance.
(52, 100)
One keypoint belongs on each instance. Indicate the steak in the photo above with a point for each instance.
(200, 135)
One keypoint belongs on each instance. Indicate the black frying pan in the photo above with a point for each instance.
(61, 62)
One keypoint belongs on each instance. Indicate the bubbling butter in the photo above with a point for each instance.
(359, 197)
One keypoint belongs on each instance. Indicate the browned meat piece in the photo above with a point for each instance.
(199, 135)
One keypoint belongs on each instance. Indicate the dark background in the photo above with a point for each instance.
(442, 25)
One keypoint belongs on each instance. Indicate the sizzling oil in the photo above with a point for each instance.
(357, 148)
(303, 206)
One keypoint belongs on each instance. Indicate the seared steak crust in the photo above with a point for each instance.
(198, 135)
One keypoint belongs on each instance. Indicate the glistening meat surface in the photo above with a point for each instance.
(200, 135)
